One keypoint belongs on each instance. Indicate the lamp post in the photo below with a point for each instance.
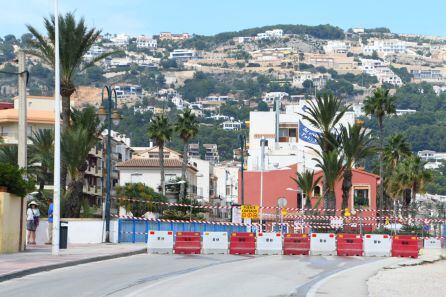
(242, 139)
(109, 115)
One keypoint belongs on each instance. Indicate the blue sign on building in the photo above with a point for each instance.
(306, 134)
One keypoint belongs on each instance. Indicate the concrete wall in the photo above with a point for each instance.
(10, 213)
(80, 231)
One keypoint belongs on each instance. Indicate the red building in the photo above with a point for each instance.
(278, 183)
(6, 105)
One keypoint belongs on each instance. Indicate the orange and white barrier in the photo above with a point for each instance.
(323, 244)
(269, 243)
(160, 242)
(215, 243)
(377, 245)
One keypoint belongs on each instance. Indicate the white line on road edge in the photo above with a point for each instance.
(313, 290)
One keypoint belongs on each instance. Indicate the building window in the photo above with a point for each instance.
(317, 191)
(361, 197)
(228, 190)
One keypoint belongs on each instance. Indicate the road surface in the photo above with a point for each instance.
(186, 275)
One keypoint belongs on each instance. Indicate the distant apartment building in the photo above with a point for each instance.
(183, 54)
(194, 150)
(243, 39)
(318, 79)
(147, 42)
(401, 112)
(433, 159)
(384, 46)
(94, 52)
(428, 75)
(270, 34)
(211, 153)
(120, 40)
(271, 96)
(126, 91)
(337, 47)
(231, 125)
(174, 37)
(381, 70)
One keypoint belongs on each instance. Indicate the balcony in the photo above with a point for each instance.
(92, 190)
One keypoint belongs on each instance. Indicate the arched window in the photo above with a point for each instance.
(317, 191)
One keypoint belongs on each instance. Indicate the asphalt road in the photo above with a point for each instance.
(184, 275)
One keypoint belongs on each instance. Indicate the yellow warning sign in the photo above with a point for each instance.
(250, 211)
(284, 211)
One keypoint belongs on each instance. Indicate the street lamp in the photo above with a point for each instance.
(109, 115)
(302, 200)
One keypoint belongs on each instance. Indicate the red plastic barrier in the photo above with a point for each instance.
(349, 245)
(405, 246)
(296, 244)
(187, 243)
(242, 243)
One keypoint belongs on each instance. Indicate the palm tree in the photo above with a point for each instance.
(9, 154)
(75, 146)
(415, 176)
(331, 164)
(395, 149)
(356, 145)
(187, 128)
(324, 113)
(306, 182)
(41, 154)
(75, 39)
(74, 42)
(379, 105)
(161, 131)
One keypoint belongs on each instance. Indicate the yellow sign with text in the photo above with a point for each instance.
(250, 211)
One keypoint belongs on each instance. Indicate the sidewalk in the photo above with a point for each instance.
(38, 258)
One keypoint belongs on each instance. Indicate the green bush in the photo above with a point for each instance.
(12, 178)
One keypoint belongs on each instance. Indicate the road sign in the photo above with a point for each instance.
(282, 202)
(284, 212)
(250, 211)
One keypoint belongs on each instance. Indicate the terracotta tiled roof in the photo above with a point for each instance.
(151, 163)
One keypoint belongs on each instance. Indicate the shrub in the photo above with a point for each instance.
(12, 178)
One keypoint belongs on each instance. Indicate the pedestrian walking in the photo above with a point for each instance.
(50, 222)
(32, 221)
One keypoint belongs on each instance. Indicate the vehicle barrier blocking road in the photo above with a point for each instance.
(405, 246)
(160, 242)
(349, 245)
(215, 243)
(323, 244)
(242, 243)
(187, 243)
(296, 244)
(432, 243)
(269, 243)
(377, 245)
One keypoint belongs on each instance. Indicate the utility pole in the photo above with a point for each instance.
(56, 195)
(242, 160)
(263, 142)
(22, 137)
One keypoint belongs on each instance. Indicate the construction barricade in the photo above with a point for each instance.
(269, 243)
(242, 243)
(160, 242)
(377, 245)
(187, 243)
(349, 245)
(323, 244)
(432, 243)
(405, 246)
(215, 243)
(296, 244)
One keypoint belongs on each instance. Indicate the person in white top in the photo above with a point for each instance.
(32, 221)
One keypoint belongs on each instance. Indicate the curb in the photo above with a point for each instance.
(29, 271)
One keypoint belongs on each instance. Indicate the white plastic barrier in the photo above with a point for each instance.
(432, 243)
(377, 245)
(269, 243)
(160, 242)
(323, 244)
(215, 243)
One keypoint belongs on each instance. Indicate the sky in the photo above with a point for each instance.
(208, 17)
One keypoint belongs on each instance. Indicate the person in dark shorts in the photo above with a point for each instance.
(32, 221)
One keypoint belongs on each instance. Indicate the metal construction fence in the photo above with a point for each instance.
(133, 230)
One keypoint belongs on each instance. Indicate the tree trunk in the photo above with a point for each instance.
(74, 197)
(331, 203)
(66, 114)
(381, 165)
(183, 171)
(346, 186)
(161, 157)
